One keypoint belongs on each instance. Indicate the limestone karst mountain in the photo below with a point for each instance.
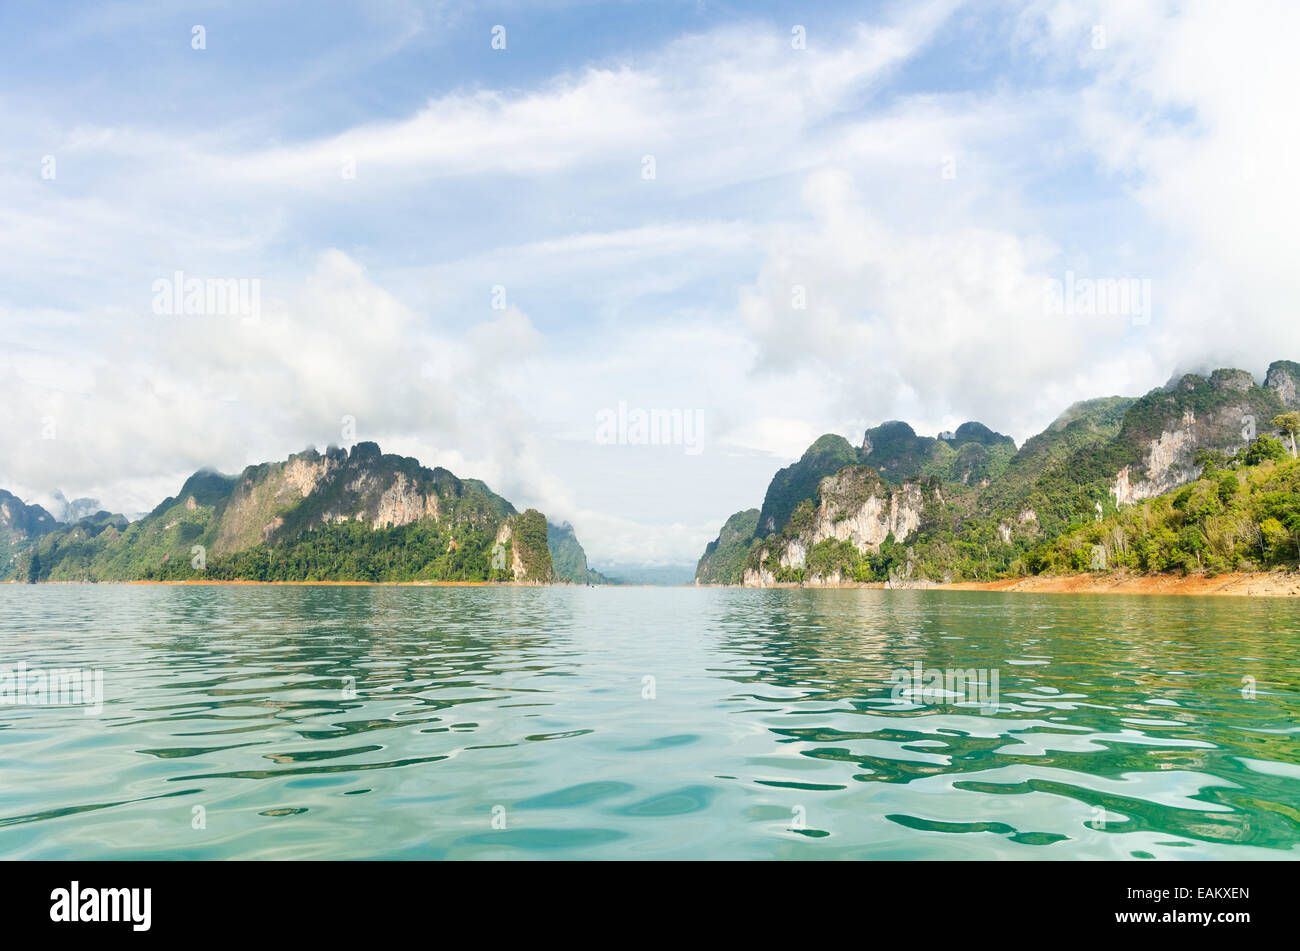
(358, 514)
(970, 504)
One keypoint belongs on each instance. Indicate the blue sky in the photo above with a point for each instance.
(918, 171)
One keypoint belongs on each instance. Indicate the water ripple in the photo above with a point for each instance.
(341, 722)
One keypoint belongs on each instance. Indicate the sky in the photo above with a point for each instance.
(493, 236)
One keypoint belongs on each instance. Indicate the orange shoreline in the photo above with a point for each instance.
(1268, 584)
(1260, 584)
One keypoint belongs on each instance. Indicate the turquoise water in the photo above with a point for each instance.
(649, 723)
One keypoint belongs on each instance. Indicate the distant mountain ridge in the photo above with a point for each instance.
(347, 515)
(74, 510)
(970, 504)
(21, 525)
(568, 557)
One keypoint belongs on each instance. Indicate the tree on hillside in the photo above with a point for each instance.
(1289, 423)
(1264, 449)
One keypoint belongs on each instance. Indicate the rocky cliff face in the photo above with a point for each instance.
(799, 480)
(510, 549)
(365, 485)
(854, 506)
(993, 505)
(356, 514)
(1283, 378)
(972, 456)
(1169, 428)
(1169, 461)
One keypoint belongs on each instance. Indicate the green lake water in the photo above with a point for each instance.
(643, 723)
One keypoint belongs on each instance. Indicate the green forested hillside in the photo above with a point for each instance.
(798, 481)
(340, 515)
(1042, 476)
(20, 526)
(992, 510)
(1241, 515)
(351, 551)
(971, 456)
(568, 557)
(724, 558)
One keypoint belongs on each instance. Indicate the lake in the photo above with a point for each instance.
(648, 723)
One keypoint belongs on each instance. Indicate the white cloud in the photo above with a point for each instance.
(912, 325)
(704, 101)
(1185, 105)
(174, 392)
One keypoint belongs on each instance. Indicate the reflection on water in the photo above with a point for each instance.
(319, 722)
